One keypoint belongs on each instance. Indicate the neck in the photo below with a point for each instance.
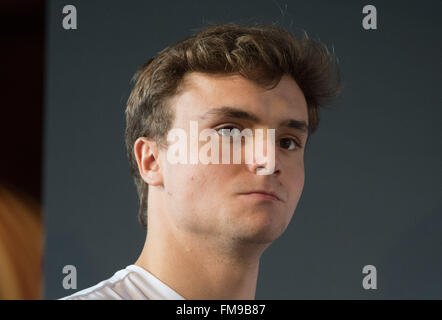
(198, 267)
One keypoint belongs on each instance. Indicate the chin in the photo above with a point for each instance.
(263, 231)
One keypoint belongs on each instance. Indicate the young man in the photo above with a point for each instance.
(209, 223)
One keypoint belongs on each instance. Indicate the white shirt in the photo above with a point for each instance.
(131, 283)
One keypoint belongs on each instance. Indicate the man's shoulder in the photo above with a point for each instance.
(120, 286)
(131, 283)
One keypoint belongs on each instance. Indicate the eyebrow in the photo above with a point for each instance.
(232, 112)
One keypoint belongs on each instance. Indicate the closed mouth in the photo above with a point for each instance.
(270, 194)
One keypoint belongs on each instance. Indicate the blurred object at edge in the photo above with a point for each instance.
(21, 245)
(22, 25)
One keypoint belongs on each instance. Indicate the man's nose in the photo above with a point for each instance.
(264, 157)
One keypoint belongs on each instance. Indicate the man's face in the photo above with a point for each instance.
(208, 199)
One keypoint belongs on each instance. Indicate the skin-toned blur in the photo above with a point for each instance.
(198, 213)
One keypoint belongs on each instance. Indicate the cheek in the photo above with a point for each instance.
(295, 182)
(191, 185)
(207, 183)
(179, 181)
(194, 196)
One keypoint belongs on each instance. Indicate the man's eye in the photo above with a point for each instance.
(289, 143)
(226, 131)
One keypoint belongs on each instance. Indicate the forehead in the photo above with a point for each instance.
(199, 93)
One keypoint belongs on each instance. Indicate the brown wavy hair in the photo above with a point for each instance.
(262, 53)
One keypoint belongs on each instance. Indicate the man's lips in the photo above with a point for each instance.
(262, 195)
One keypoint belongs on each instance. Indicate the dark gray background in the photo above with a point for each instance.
(373, 169)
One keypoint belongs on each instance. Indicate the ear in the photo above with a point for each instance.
(146, 154)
